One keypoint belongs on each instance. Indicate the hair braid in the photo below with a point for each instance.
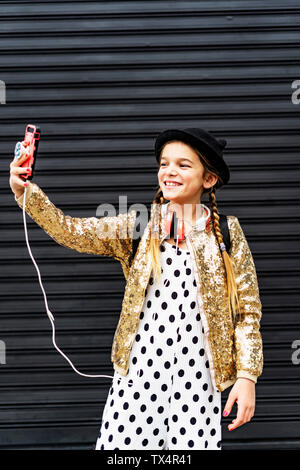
(233, 300)
(155, 234)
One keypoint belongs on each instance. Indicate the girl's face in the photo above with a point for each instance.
(180, 164)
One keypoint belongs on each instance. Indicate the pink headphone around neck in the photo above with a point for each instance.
(171, 220)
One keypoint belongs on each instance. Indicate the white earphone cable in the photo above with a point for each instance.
(51, 317)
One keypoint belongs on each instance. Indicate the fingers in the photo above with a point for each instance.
(235, 424)
(18, 174)
(19, 170)
(17, 181)
(16, 177)
(21, 156)
(229, 404)
(244, 415)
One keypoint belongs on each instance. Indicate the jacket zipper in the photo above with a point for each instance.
(206, 340)
(148, 282)
(141, 307)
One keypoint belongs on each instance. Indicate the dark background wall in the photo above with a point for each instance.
(103, 79)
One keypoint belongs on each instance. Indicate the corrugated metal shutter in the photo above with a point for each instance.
(103, 79)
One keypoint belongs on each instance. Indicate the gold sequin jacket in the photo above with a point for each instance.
(234, 348)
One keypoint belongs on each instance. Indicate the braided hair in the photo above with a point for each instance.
(233, 301)
(154, 244)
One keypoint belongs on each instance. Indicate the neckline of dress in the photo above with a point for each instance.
(179, 248)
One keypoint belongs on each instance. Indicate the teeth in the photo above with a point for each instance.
(172, 184)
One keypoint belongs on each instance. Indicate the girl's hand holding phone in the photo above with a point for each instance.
(24, 160)
(16, 182)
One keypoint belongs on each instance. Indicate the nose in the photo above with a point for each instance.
(171, 171)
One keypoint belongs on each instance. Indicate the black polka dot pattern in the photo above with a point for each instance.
(166, 401)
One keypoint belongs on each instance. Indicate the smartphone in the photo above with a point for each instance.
(32, 138)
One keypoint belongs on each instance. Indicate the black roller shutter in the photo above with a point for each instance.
(103, 79)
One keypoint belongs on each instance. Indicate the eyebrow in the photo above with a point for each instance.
(180, 158)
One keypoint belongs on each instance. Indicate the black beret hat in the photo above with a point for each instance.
(203, 141)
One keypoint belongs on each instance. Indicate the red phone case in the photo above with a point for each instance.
(32, 138)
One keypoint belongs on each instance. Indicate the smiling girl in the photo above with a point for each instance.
(190, 321)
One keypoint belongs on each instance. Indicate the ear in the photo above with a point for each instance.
(210, 180)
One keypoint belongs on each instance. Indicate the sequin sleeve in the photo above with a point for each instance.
(107, 236)
(247, 336)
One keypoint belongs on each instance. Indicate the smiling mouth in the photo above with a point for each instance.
(172, 185)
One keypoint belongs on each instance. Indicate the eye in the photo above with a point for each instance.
(180, 165)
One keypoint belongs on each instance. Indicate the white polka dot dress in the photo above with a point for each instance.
(166, 401)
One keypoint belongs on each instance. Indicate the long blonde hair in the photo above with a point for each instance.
(154, 243)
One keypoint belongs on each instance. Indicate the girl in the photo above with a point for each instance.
(190, 321)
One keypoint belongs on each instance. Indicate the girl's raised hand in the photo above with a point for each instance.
(16, 183)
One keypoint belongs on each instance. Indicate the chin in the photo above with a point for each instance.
(170, 198)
